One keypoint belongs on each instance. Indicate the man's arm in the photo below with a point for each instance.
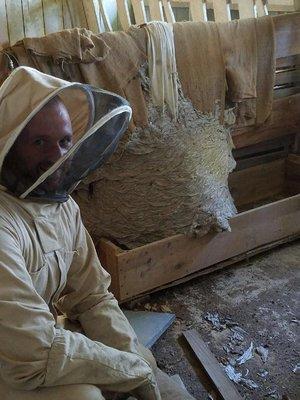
(34, 353)
(86, 297)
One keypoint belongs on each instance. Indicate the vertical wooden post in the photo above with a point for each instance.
(197, 10)
(246, 9)
(33, 18)
(168, 11)
(221, 11)
(123, 14)
(156, 12)
(15, 20)
(4, 37)
(53, 16)
(139, 11)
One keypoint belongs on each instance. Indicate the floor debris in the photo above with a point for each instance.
(247, 355)
(263, 352)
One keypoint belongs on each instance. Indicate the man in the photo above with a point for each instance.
(53, 133)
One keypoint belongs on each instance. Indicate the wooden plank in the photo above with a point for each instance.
(284, 120)
(273, 5)
(286, 91)
(15, 20)
(221, 10)
(212, 367)
(156, 11)
(91, 11)
(297, 5)
(197, 10)
(139, 11)
(293, 174)
(66, 15)
(153, 265)
(222, 265)
(257, 183)
(168, 11)
(4, 37)
(77, 14)
(287, 34)
(123, 14)
(33, 18)
(246, 9)
(288, 62)
(261, 8)
(287, 76)
(53, 16)
(105, 17)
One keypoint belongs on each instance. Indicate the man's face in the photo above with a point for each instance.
(44, 140)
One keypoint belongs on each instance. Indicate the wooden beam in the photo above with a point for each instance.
(156, 11)
(284, 120)
(293, 174)
(145, 268)
(53, 16)
(91, 11)
(66, 14)
(254, 184)
(15, 21)
(222, 265)
(197, 11)
(33, 18)
(123, 14)
(139, 11)
(261, 8)
(221, 383)
(246, 9)
(287, 34)
(4, 37)
(168, 11)
(221, 11)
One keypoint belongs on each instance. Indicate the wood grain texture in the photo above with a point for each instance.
(153, 265)
(15, 20)
(139, 11)
(246, 9)
(256, 183)
(123, 14)
(4, 36)
(156, 12)
(33, 18)
(197, 11)
(293, 174)
(284, 120)
(53, 16)
(168, 11)
(212, 367)
(287, 34)
(91, 11)
(221, 11)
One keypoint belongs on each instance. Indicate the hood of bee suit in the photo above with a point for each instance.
(99, 119)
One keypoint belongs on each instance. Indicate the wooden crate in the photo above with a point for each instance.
(266, 168)
(179, 258)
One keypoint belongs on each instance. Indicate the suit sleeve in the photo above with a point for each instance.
(35, 353)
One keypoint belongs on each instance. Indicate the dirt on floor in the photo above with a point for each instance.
(247, 315)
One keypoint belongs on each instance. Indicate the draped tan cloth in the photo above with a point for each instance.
(110, 61)
(200, 64)
(248, 46)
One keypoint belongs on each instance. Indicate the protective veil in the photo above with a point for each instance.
(99, 118)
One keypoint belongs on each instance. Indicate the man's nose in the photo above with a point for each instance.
(55, 152)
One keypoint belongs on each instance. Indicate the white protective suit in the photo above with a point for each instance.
(48, 260)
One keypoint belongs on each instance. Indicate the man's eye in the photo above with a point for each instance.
(39, 142)
(66, 142)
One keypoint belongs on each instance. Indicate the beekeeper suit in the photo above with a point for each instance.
(47, 259)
